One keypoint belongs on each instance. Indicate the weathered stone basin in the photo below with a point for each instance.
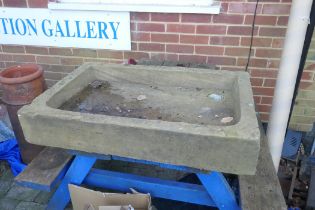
(191, 117)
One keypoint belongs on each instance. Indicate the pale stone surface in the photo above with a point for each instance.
(230, 148)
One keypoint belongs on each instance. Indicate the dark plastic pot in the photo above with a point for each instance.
(20, 85)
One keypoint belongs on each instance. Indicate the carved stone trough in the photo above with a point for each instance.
(198, 118)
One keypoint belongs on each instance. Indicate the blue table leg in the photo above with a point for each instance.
(77, 172)
(219, 190)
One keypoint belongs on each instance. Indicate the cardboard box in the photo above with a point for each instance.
(86, 199)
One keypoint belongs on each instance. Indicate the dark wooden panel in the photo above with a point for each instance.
(311, 192)
(46, 169)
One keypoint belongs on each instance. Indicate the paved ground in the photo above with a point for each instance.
(15, 197)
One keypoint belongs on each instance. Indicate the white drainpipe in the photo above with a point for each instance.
(289, 65)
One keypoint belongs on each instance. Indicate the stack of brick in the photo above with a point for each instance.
(222, 40)
(303, 115)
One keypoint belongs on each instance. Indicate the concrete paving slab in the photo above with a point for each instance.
(22, 193)
(13, 196)
(30, 205)
(8, 203)
(4, 187)
(229, 145)
(5, 172)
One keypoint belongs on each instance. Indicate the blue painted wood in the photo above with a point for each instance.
(214, 192)
(219, 190)
(78, 170)
(172, 190)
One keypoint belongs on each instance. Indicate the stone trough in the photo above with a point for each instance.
(199, 118)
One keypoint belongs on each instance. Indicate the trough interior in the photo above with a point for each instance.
(202, 97)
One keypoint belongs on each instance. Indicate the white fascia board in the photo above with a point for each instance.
(142, 2)
(161, 8)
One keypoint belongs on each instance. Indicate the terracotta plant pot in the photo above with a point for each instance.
(21, 84)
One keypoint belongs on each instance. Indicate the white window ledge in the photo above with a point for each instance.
(175, 7)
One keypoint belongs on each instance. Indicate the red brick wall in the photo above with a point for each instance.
(303, 115)
(222, 40)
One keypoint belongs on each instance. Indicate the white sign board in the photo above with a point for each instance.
(62, 28)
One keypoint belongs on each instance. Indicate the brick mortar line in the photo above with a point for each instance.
(262, 79)
(209, 39)
(261, 86)
(303, 80)
(166, 53)
(57, 56)
(183, 34)
(259, 48)
(258, 14)
(209, 23)
(223, 35)
(43, 55)
(265, 58)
